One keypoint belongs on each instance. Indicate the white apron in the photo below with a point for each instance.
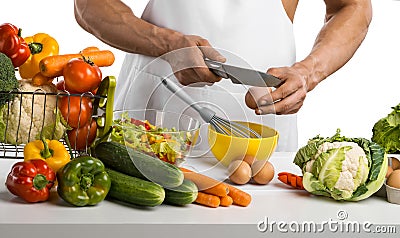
(250, 33)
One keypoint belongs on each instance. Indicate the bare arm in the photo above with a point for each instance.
(346, 25)
(114, 23)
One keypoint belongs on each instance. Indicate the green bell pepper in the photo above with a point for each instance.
(83, 181)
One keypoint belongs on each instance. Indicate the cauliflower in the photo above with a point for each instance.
(342, 168)
(29, 116)
(354, 169)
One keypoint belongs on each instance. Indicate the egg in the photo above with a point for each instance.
(254, 94)
(240, 172)
(394, 179)
(247, 158)
(395, 163)
(250, 101)
(262, 172)
(389, 171)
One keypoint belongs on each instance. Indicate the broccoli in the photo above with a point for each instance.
(8, 81)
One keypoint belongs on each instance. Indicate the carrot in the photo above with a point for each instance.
(292, 180)
(206, 184)
(226, 201)
(208, 200)
(238, 196)
(52, 66)
(39, 79)
(89, 49)
(100, 58)
(217, 190)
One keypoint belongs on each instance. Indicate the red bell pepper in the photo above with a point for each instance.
(31, 180)
(13, 45)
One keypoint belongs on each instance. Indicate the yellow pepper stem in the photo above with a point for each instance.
(35, 47)
(46, 152)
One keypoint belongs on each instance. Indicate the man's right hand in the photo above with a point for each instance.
(186, 57)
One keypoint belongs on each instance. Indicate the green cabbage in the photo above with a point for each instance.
(386, 132)
(343, 168)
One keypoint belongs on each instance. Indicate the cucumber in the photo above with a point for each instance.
(134, 190)
(186, 193)
(135, 163)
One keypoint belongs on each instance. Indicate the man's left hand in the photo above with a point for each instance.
(286, 99)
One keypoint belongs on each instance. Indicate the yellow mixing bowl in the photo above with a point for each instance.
(226, 148)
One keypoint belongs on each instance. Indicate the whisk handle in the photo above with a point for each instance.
(204, 112)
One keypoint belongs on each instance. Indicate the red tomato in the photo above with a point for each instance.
(81, 76)
(61, 86)
(78, 136)
(78, 113)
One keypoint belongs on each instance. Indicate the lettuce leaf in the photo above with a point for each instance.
(386, 132)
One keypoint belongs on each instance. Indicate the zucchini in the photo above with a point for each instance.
(134, 190)
(184, 194)
(138, 164)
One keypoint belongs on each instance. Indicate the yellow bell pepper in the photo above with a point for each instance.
(41, 46)
(51, 151)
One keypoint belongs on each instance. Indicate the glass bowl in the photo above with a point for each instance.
(167, 135)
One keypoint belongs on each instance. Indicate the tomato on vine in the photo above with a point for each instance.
(76, 110)
(81, 75)
(79, 136)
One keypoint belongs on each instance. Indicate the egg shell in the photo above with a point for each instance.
(250, 101)
(262, 172)
(394, 179)
(240, 172)
(247, 158)
(389, 171)
(395, 163)
(254, 94)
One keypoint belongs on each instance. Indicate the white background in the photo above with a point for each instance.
(352, 99)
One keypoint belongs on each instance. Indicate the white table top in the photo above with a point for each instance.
(275, 201)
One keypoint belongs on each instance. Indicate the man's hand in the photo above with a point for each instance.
(346, 24)
(186, 57)
(287, 99)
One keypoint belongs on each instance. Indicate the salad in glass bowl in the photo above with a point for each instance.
(166, 135)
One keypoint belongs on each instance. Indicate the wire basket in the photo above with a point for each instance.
(47, 113)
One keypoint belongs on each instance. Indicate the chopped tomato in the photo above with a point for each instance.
(137, 122)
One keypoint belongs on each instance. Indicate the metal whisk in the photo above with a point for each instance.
(220, 125)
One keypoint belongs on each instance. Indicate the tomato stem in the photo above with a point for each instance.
(87, 60)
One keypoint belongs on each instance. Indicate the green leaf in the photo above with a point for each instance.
(53, 131)
(3, 114)
(305, 154)
(386, 132)
(372, 186)
(360, 191)
(377, 156)
(329, 164)
(313, 185)
(362, 172)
